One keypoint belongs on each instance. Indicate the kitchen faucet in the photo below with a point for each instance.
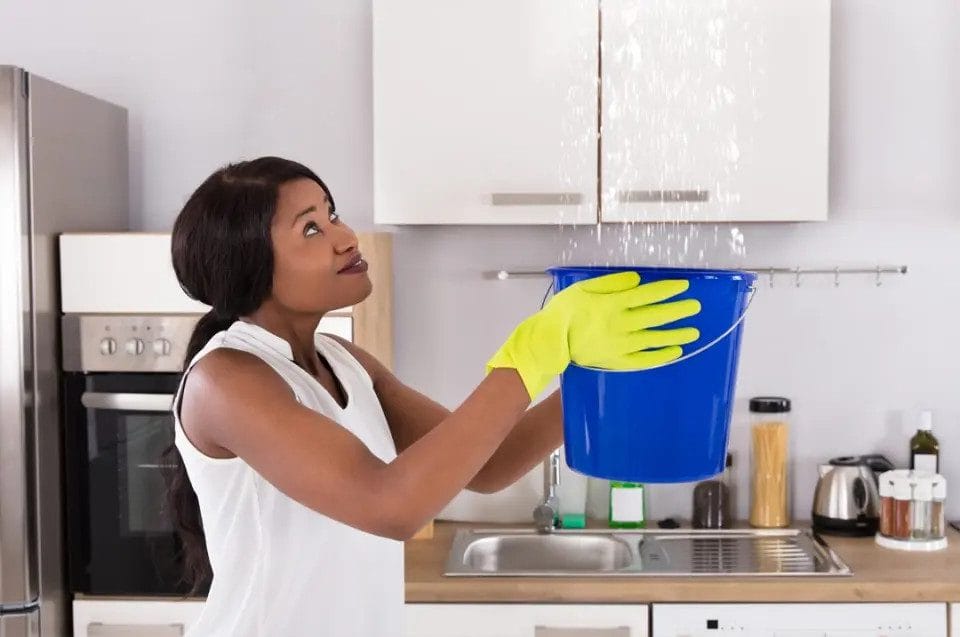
(547, 513)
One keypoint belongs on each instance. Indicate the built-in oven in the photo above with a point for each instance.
(121, 373)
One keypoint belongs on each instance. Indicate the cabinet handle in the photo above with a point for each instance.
(99, 629)
(646, 196)
(127, 402)
(547, 631)
(536, 199)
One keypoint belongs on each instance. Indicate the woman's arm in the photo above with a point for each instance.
(412, 415)
(235, 402)
(600, 322)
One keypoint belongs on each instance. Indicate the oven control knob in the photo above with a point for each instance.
(108, 346)
(135, 347)
(161, 347)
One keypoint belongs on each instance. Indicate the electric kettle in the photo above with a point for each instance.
(846, 500)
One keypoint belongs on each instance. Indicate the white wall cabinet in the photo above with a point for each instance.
(525, 620)
(715, 110)
(485, 112)
(128, 618)
(800, 620)
(710, 110)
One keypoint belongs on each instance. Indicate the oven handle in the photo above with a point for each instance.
(127, 402)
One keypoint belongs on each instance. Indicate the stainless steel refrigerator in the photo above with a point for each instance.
(63, 167)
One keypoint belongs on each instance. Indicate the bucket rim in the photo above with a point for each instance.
(681, 272)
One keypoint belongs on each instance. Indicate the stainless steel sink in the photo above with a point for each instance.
(669, 553)
(555, 551)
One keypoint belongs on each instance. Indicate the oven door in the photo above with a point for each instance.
(121, 541)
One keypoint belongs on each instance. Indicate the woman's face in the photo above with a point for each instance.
(316, 264)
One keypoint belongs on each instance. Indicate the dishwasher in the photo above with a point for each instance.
(800, 620)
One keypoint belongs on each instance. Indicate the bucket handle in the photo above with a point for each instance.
(696, 352)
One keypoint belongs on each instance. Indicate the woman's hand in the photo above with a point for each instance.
(602, 322)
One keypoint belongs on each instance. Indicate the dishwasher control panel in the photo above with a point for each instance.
(800, 620)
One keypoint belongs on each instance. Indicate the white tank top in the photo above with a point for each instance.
(280, 568)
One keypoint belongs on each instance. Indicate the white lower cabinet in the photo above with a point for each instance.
(800, 620)
(133, 618)
(526, 620)
(681, 620)
(954, 620)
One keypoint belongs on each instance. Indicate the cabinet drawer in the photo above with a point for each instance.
(526, 620)
(133, 618)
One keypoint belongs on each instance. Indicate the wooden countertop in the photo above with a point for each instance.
(880, 575)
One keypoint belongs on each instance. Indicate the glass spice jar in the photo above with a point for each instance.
(886, 507)
(902, 494)
(920, 509)
(937, 522)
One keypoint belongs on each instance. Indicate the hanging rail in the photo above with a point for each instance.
(771, 272)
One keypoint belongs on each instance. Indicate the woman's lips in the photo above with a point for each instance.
(359, 267)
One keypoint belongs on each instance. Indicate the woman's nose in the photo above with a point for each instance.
(345, 238)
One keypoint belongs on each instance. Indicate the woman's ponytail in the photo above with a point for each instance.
(181, 500)
(209, 324)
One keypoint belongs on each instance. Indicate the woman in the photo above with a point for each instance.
(301, 462)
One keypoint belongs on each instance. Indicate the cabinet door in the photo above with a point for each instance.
(715, 110)
(485, 112)
(954, 620)
(796, 620)
(525, 620)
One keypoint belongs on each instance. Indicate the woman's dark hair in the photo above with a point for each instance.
(223, 257)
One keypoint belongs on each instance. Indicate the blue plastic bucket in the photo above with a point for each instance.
(668, 423)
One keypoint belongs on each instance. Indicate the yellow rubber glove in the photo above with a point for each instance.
(602, 322)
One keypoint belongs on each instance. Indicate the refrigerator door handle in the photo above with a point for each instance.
(127, 402)
(19, 609)
(19, 395)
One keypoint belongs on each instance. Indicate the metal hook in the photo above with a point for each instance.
(797, 276)
(771, 277)
(836, 277)
(879, 272)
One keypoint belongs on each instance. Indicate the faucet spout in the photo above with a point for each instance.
(546, 514)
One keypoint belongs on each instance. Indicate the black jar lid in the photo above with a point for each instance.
(770, 404)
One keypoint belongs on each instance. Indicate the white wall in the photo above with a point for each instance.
(207, 82)
(213, 81)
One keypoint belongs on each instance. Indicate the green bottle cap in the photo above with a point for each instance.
(573, 521)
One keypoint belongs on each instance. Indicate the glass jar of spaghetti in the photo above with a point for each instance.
(769, 477)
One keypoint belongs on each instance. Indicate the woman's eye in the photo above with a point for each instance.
(311, 229)
(334, 217)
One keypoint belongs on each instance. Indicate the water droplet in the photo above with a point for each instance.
(733, 151)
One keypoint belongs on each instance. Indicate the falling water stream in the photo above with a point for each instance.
(677, 93)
